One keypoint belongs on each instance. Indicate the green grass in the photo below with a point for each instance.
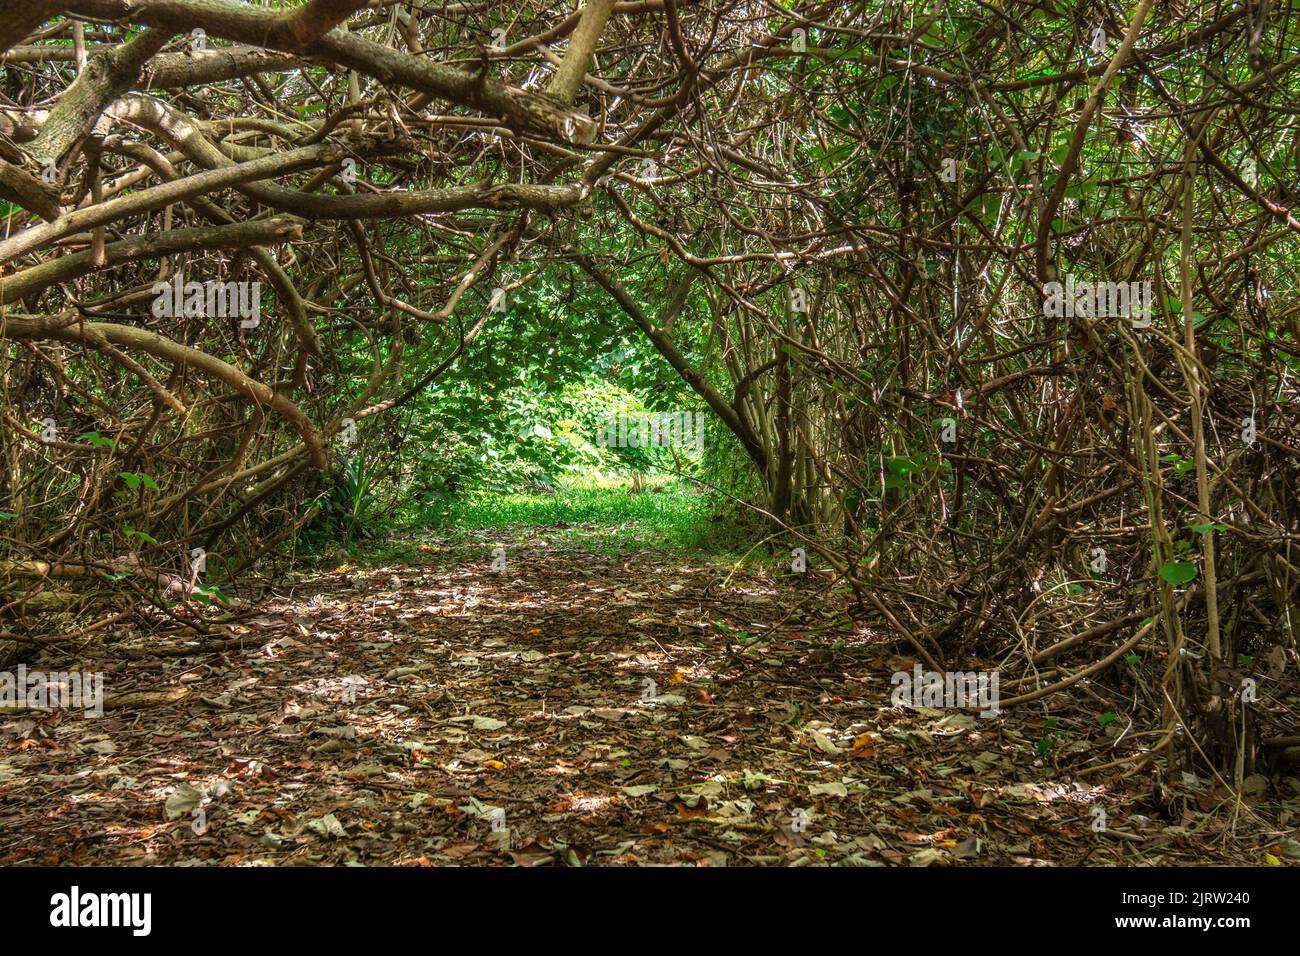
(608, 517)
(598, 516)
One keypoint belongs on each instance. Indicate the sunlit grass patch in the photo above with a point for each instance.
(610, 517)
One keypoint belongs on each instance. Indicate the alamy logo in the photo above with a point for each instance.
(1130, 300)
(51, 691)
(103, 909)
(949, 689)
(679, 429)
(212, 300)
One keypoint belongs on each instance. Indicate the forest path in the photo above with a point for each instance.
(433, 711)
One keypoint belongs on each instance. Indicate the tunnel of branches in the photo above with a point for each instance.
(836, 223)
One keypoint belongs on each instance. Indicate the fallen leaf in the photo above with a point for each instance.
(182, 800)
(327, 826)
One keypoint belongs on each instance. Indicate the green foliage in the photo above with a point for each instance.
(471, 439)
(347, 505)
(98, 440)
(1178, 573)
(1054, 734)
(135, 480)
(208, 595)
(608, 517)
(1182, 466)
(128, 532)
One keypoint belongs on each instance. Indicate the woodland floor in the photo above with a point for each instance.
(522, 690)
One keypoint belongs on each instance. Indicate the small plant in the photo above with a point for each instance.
(128, 532)
(208, 595)
(1053, 736)
(98, 440)
(348, 503)
(137, 479)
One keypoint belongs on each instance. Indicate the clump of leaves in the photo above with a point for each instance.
(347, 505)
(1054, 735)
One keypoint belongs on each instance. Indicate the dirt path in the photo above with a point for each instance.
(435, 713)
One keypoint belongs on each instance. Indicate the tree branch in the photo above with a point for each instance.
(668, 350)
(152, 246)
(107, 76)
(142, 340)
(567, 81)
(175, 127)
(519, 108)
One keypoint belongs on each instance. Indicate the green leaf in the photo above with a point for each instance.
(134, 480)
(98, 440)
(1178, 573)
(1107, 718)
(208, 595)
(130, 532)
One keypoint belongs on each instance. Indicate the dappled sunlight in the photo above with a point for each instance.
(407, 701)
(648, 433)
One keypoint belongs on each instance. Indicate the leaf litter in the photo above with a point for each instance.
(576, 710)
